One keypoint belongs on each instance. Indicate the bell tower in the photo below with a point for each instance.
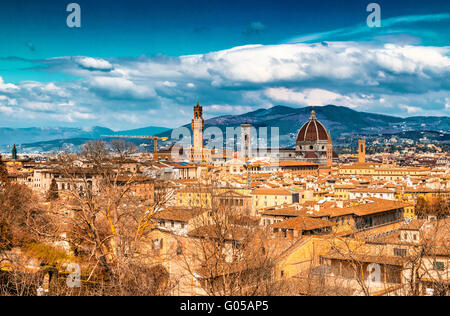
(329, 150)
(246, 140)
(361, 150)
(198, 124)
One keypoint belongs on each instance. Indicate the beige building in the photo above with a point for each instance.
(265, 197)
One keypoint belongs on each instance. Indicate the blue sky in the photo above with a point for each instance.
(139, 63)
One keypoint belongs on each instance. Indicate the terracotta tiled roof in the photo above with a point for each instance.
(312, 130)
(310, 155)
(377, 206)
(291, 163)
(373, 190)
(302, 223)
(285, 211)
(267, 191)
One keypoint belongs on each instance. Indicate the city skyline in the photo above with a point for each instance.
(225, 152)
(142, 64)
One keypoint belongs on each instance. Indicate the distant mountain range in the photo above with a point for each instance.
(49, 138)
(340, 120)
(343, 122)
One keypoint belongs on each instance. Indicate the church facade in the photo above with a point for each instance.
(313, 144)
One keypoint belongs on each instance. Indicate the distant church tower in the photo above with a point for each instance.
(361, 150)
(198, 124)
(329, 150)
(246, 140)
(14, 153)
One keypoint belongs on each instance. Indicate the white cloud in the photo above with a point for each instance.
(39, 106)
(6, 110)
(237, 80)
(8, 101)
(7, 87)
(121, 88)
(317, 97)
(412, 59)
(95, 63)
(227, 109)
(337, 63)
(84, 116)
(53, 89)
(169, 84)
(306, 97)
(410, 109)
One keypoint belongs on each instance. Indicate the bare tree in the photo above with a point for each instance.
(22, 223)
(230, 254)
(3, 173)
(109, 221)
(123, 149)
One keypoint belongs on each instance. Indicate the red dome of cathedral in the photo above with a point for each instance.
(312, 130)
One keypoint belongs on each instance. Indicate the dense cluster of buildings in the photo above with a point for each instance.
(315, 206)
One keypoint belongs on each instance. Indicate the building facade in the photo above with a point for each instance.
(314, 143)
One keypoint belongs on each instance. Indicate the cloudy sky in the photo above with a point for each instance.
(140, 63)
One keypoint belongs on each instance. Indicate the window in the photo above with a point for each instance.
(399, 252)
(439, 265)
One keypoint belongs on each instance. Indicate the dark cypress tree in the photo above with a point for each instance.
(14, 153)
(52, 193)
